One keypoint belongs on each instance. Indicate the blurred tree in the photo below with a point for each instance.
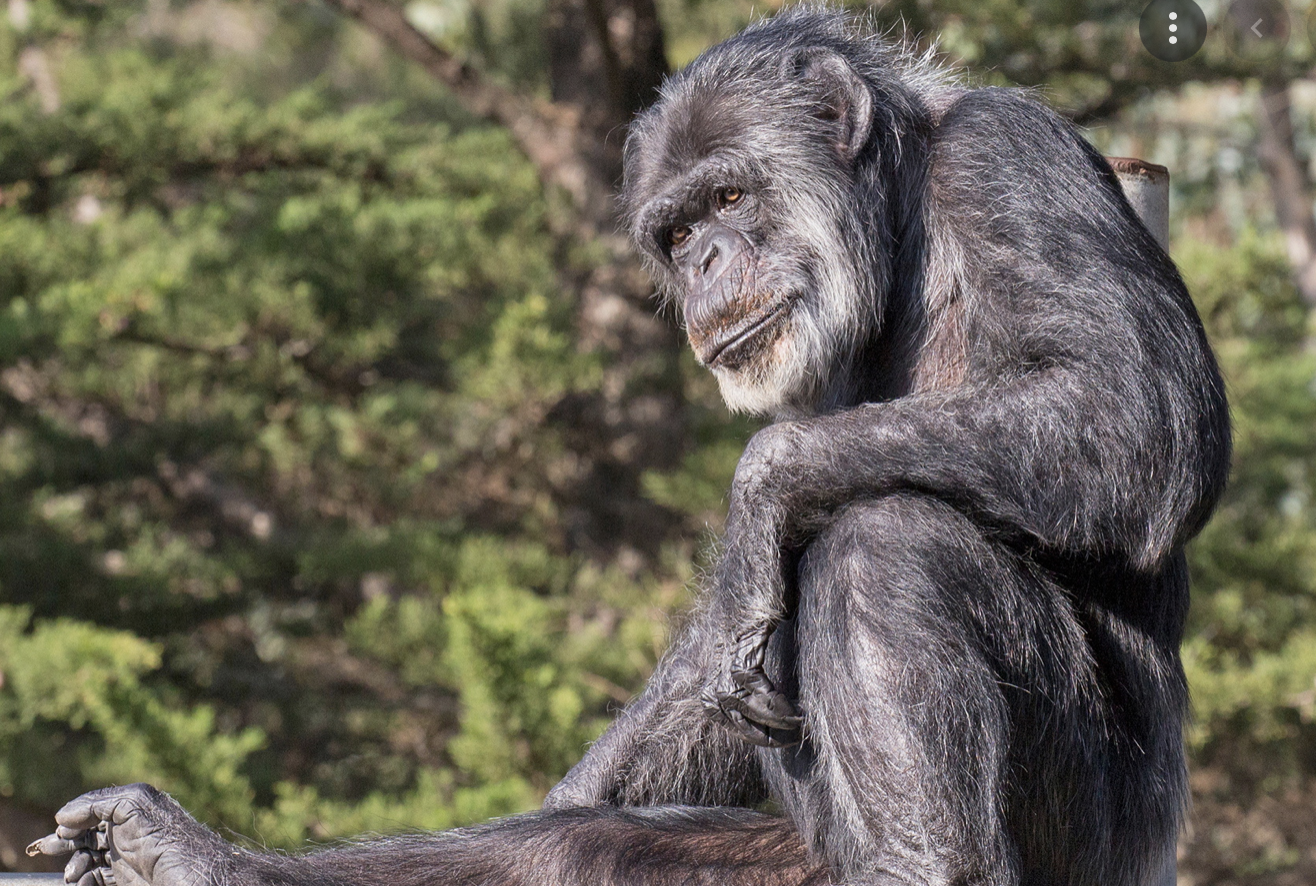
(282, 369)
(603, 61)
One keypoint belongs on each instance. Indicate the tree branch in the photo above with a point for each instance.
(547, 133)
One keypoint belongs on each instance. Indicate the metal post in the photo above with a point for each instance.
(1147, 187)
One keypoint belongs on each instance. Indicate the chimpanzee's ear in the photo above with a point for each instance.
(844, 100)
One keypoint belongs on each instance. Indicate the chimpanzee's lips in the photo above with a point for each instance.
(734, 349)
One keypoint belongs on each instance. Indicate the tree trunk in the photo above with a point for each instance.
(1289, 185)
(606, 61)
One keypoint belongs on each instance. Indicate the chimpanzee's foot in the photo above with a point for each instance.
(137, 836)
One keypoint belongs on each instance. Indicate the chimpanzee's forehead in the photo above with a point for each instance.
(703, 122)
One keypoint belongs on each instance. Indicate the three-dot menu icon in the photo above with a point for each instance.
(1172, 30)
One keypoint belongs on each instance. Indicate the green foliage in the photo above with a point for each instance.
(697, 488)
(276, 369)
(1251, 653)
(63, 675)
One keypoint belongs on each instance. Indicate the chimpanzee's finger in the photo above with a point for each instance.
(750, 732)
(81, 862)
(759, 700)
(771, 709)
(115, 805)
(53, 844)
(749, 727)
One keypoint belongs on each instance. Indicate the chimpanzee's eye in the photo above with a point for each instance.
(677, 235)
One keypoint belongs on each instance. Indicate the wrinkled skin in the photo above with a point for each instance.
(133, 836)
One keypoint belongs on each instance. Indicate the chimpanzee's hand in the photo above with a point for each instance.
(750, 589)
(754, 708)
(136, 836)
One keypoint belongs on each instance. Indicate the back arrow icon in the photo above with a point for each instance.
(1254, 28)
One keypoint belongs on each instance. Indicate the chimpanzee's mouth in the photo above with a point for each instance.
(736, 348)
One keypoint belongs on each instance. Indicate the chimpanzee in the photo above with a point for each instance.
(942, 638)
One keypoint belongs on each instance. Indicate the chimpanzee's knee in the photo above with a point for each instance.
(907, 727)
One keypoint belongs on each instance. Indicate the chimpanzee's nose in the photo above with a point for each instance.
(713, 252)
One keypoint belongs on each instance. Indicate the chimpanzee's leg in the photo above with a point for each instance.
(138, 836)
(667, 746)
(936, 667)
(600, 846)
